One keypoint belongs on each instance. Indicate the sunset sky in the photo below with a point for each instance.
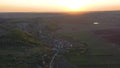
(58, 5)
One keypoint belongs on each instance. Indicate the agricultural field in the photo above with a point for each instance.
(111, 35)
(99, 52)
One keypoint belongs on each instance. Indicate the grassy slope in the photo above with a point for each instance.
(19, 49)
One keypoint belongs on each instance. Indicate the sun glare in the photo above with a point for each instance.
(75, 5)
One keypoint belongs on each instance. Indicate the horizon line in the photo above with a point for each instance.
(59, 12)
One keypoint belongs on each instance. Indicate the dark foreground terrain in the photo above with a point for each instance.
(59, 40)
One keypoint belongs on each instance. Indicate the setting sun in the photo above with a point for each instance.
(75, 5)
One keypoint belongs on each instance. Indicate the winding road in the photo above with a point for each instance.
(59, 48)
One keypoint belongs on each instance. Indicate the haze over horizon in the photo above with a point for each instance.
(58, 5)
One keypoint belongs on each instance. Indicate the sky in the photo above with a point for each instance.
(58, 5)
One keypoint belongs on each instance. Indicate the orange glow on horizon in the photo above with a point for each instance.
(58, 5)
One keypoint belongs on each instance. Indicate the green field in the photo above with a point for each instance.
(100, 54)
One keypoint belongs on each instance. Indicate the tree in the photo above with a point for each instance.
(52, 27)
